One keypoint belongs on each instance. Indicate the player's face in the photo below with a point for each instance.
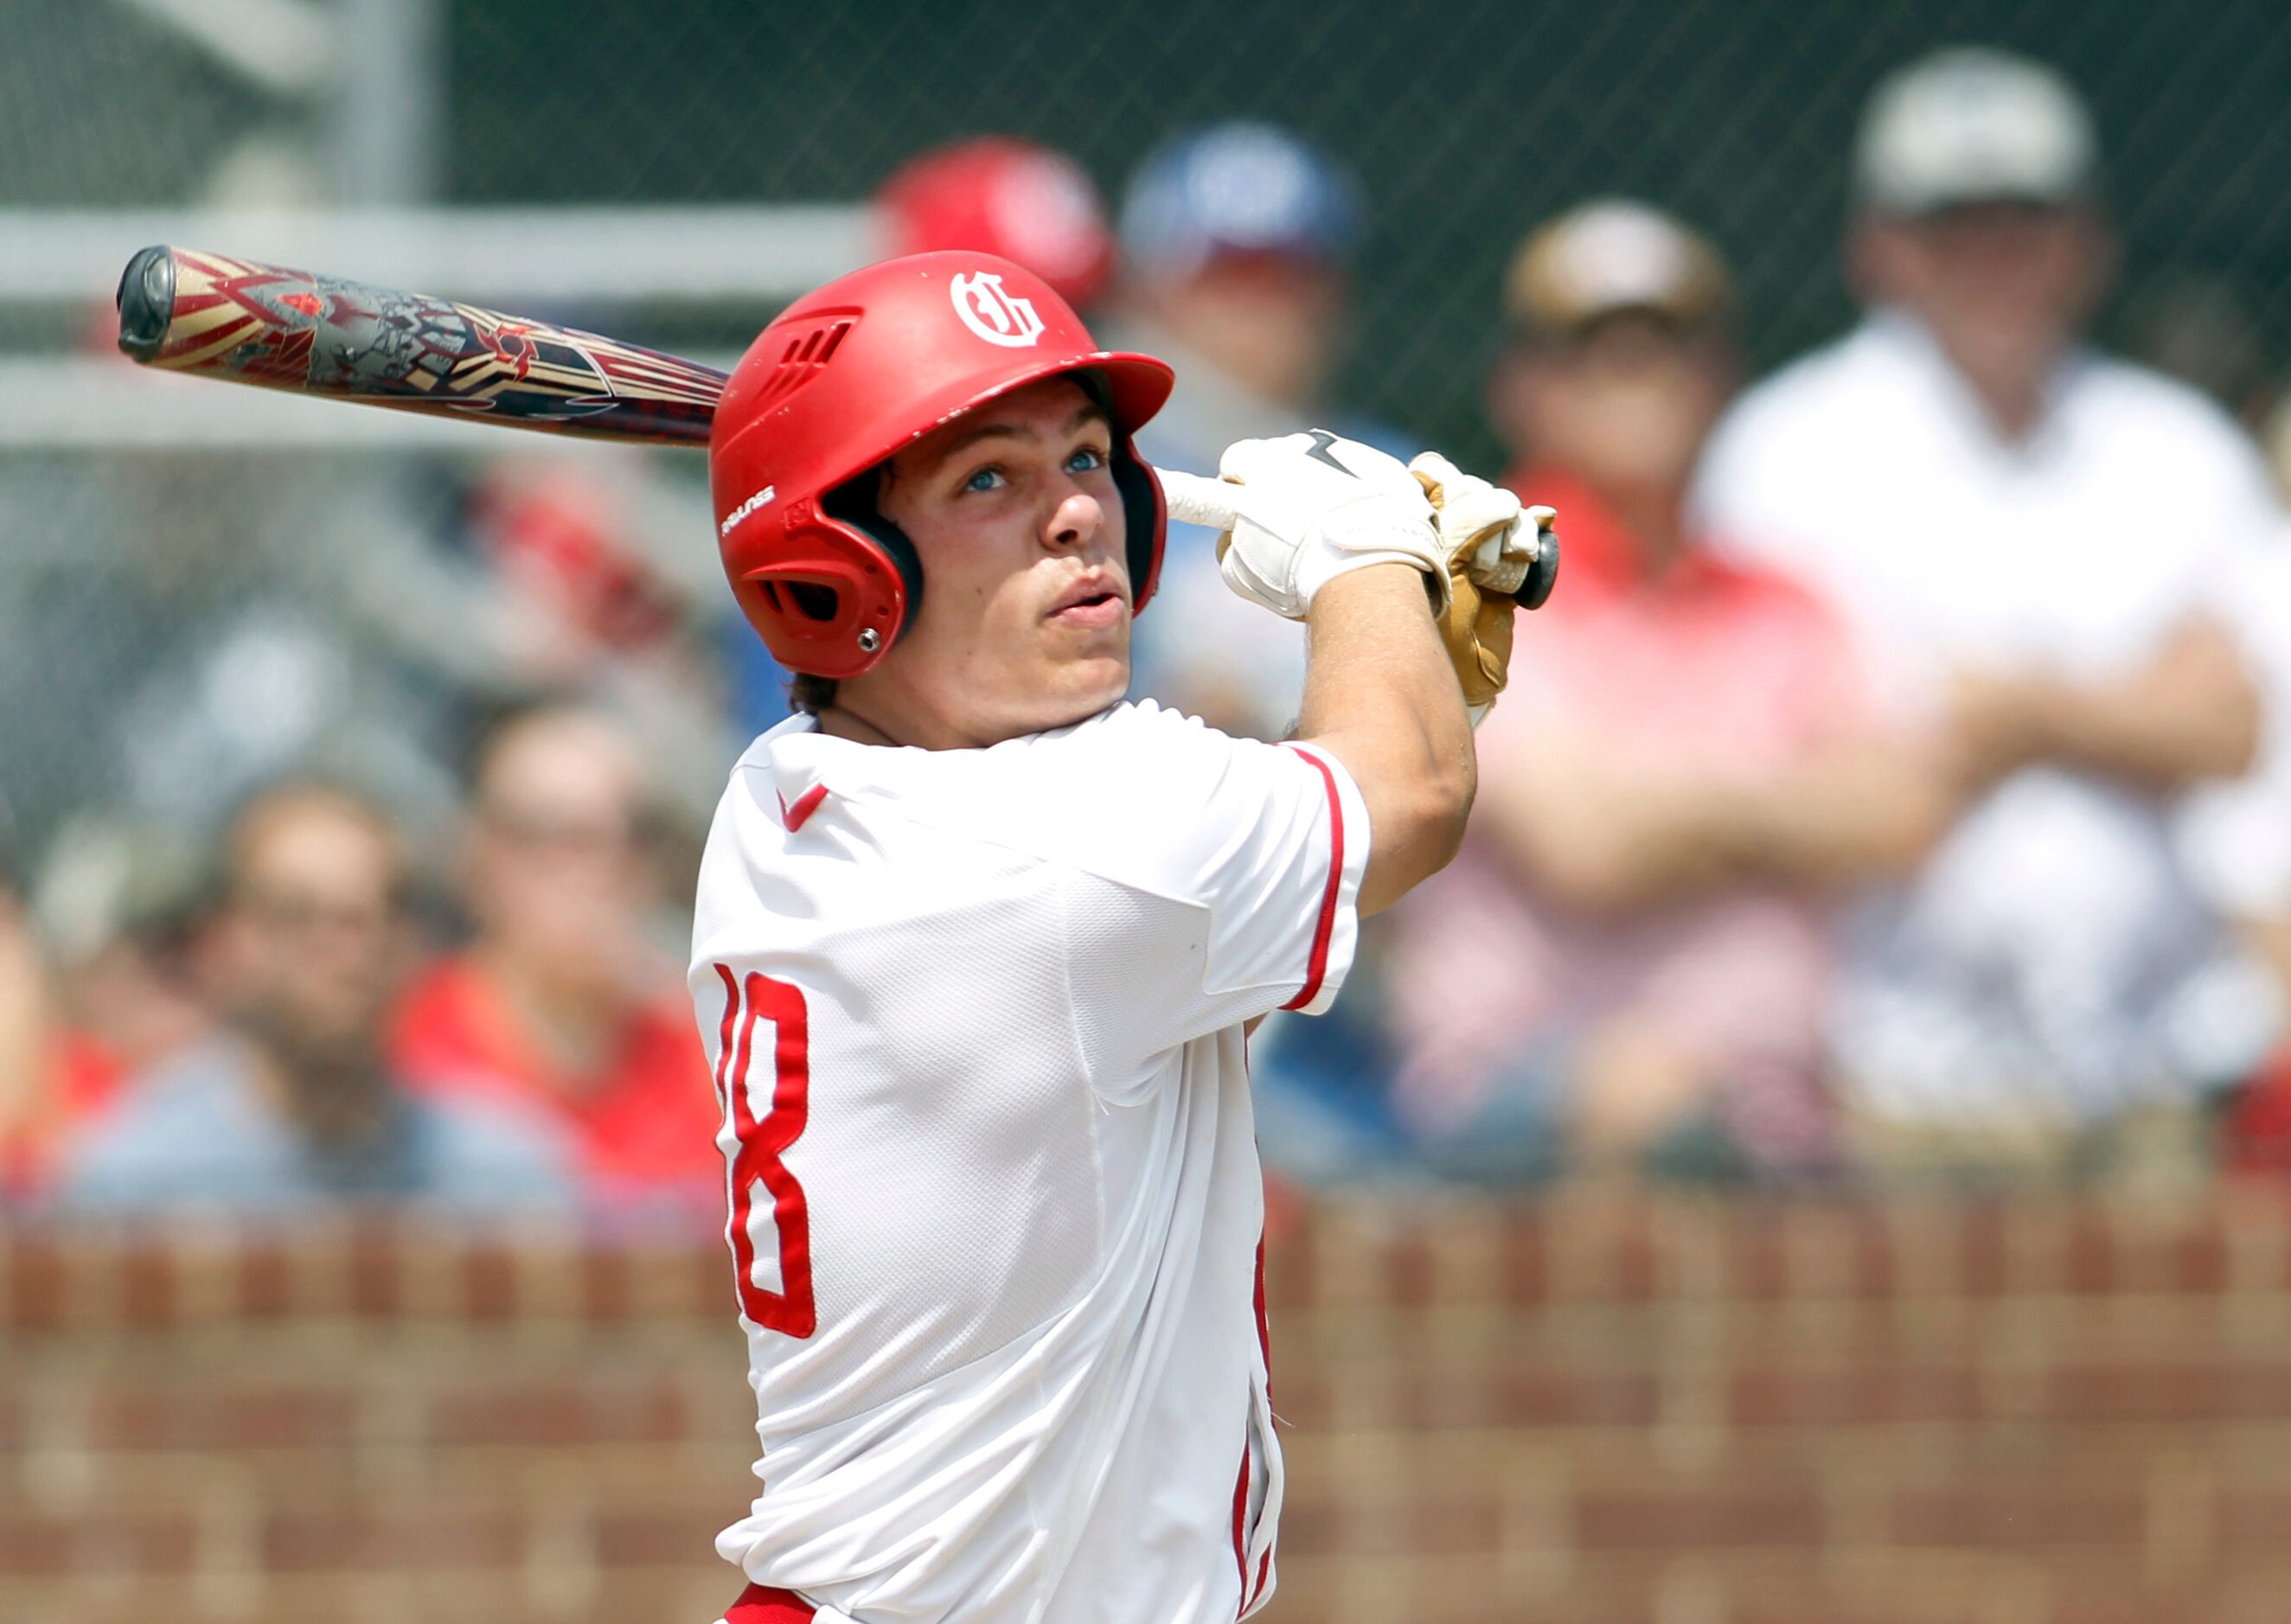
(1024, 623)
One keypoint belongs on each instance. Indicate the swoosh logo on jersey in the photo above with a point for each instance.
(1321, 440)
(793, 818)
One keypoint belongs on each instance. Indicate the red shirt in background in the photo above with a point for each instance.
(1709, 665)
(645, 1123)
(2258, 1128)
(84, 1078)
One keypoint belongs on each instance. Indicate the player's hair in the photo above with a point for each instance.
(811, 694)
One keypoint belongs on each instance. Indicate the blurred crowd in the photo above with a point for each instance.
(1898, 786)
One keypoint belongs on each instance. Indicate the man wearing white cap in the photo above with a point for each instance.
(2042, 547)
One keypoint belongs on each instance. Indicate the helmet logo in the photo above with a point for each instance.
(733, 519)
(997, 317)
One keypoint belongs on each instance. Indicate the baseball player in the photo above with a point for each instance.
(978, 946)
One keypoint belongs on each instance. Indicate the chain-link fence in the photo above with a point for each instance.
(1466, 124)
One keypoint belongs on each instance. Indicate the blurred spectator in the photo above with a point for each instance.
(2039, 543)
(296, 1104)
(1237, 243)
(2201, 329)
(29, 1079)
(589, 589)
(561, 1004)
(106, 952)
(2275, 442)
(1626, 965)
(1001, 196)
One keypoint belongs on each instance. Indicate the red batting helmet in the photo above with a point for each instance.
(842, 380)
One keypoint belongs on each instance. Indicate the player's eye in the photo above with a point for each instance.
(988, 478)
(1085, 459)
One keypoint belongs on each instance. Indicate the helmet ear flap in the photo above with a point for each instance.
(834, 607)
(1144, 514)
(1146, 520)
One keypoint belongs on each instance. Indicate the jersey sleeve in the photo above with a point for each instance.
(1208, 879)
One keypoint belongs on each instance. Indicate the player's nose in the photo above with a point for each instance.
(1074, 522)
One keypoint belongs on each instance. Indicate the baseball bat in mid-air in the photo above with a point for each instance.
(215, 317)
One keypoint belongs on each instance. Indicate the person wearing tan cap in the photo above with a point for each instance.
(2053, 552)
(1636, 912)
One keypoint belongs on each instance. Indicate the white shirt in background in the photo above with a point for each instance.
(2044, 959)
(997, 1212)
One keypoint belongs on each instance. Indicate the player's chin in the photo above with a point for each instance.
(1080, 683)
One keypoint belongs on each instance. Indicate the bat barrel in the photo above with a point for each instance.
(209, 314)
(147, 302)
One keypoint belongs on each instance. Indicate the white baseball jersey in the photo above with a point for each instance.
(995, 1206)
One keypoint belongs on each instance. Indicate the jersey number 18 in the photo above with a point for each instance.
(755, 1163)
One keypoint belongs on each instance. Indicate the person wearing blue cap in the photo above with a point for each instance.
(1236, 243)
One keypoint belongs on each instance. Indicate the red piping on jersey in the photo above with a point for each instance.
(724, 1038)
(1264, 1330)
(757, 1605)
(1240, 1529)
(805, 804)
(1317, 966)
(1249, 1593)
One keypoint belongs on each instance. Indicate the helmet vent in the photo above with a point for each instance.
(804, 353)
(810, 599)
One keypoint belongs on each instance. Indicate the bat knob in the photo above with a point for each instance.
(1542, 574)
(147, 302)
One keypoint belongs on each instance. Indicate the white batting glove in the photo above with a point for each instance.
(1311, 507)
(1481, 525)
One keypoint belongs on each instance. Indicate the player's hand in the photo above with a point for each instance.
(1490, 540)
(1487, 534)
(1313, 506)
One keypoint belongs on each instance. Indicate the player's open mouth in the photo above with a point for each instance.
(1091, 603)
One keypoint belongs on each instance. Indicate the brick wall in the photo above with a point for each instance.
(1588, 1409)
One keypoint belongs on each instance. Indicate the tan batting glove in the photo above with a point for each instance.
(1490, 541)
(1485, 522)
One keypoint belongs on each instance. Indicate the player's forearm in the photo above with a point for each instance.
(1381, 697)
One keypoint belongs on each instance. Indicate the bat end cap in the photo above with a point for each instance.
(147, 302)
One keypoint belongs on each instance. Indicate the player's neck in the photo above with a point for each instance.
(887, 716)
(840, 721)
